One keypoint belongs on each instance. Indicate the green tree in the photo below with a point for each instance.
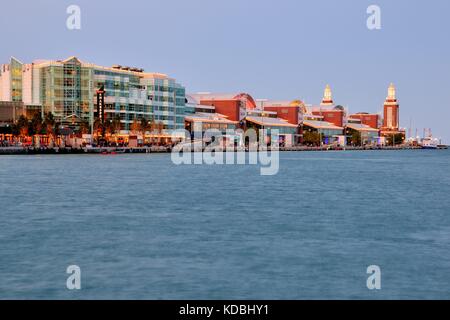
(22, 127)
(108, 128)
(15, 130)
(116, 124)
(98, 129)
(135, 126)
(36, 125)
(152, 129)
(144, 126)
(50, 127)
(84, 127)
(159, 130)
(356, 138)
(311, 138)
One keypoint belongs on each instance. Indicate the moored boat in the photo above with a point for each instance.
(430, 143)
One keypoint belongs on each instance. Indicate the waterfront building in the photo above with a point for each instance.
(324, 122)
(10, 111)
(291, 111)
(364, 133)
(328, 132)
(11, 81)
(371, 120)
(261, 113)
(234, 106)
(68, 89)
(206, 121)
(243, 109)
(309, 116)
(328, 111)
(287, 131)
(205, 117)
(335, 116)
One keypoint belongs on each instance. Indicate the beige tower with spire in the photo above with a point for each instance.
(327, 97)
(392, 92)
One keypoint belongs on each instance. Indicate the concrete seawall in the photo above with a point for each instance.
(141, 150)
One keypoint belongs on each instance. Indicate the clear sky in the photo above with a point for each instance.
(274, 49)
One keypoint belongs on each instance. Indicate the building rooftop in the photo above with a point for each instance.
(321, 125)
(361, 127)
(272, 122)
(364, 114)
(257, 112)
(214, 96)
(134, 71)
(283, 103)
(241, 96)
(210, 118)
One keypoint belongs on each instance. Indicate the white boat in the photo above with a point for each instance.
(430, 143)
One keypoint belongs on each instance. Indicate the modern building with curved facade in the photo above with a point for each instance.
(67, 88)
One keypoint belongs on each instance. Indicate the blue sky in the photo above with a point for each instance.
(282, 49)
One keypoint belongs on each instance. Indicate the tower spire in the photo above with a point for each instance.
(391, 110)
(391, 93)
(327, 96)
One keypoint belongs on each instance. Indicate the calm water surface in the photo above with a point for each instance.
(142, 228)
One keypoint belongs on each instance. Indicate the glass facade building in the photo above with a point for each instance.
(11, 81)
(16, 80)
(67, 88)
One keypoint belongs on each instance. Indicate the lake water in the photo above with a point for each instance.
(140, 227)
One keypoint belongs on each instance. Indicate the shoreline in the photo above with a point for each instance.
(148, 150)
